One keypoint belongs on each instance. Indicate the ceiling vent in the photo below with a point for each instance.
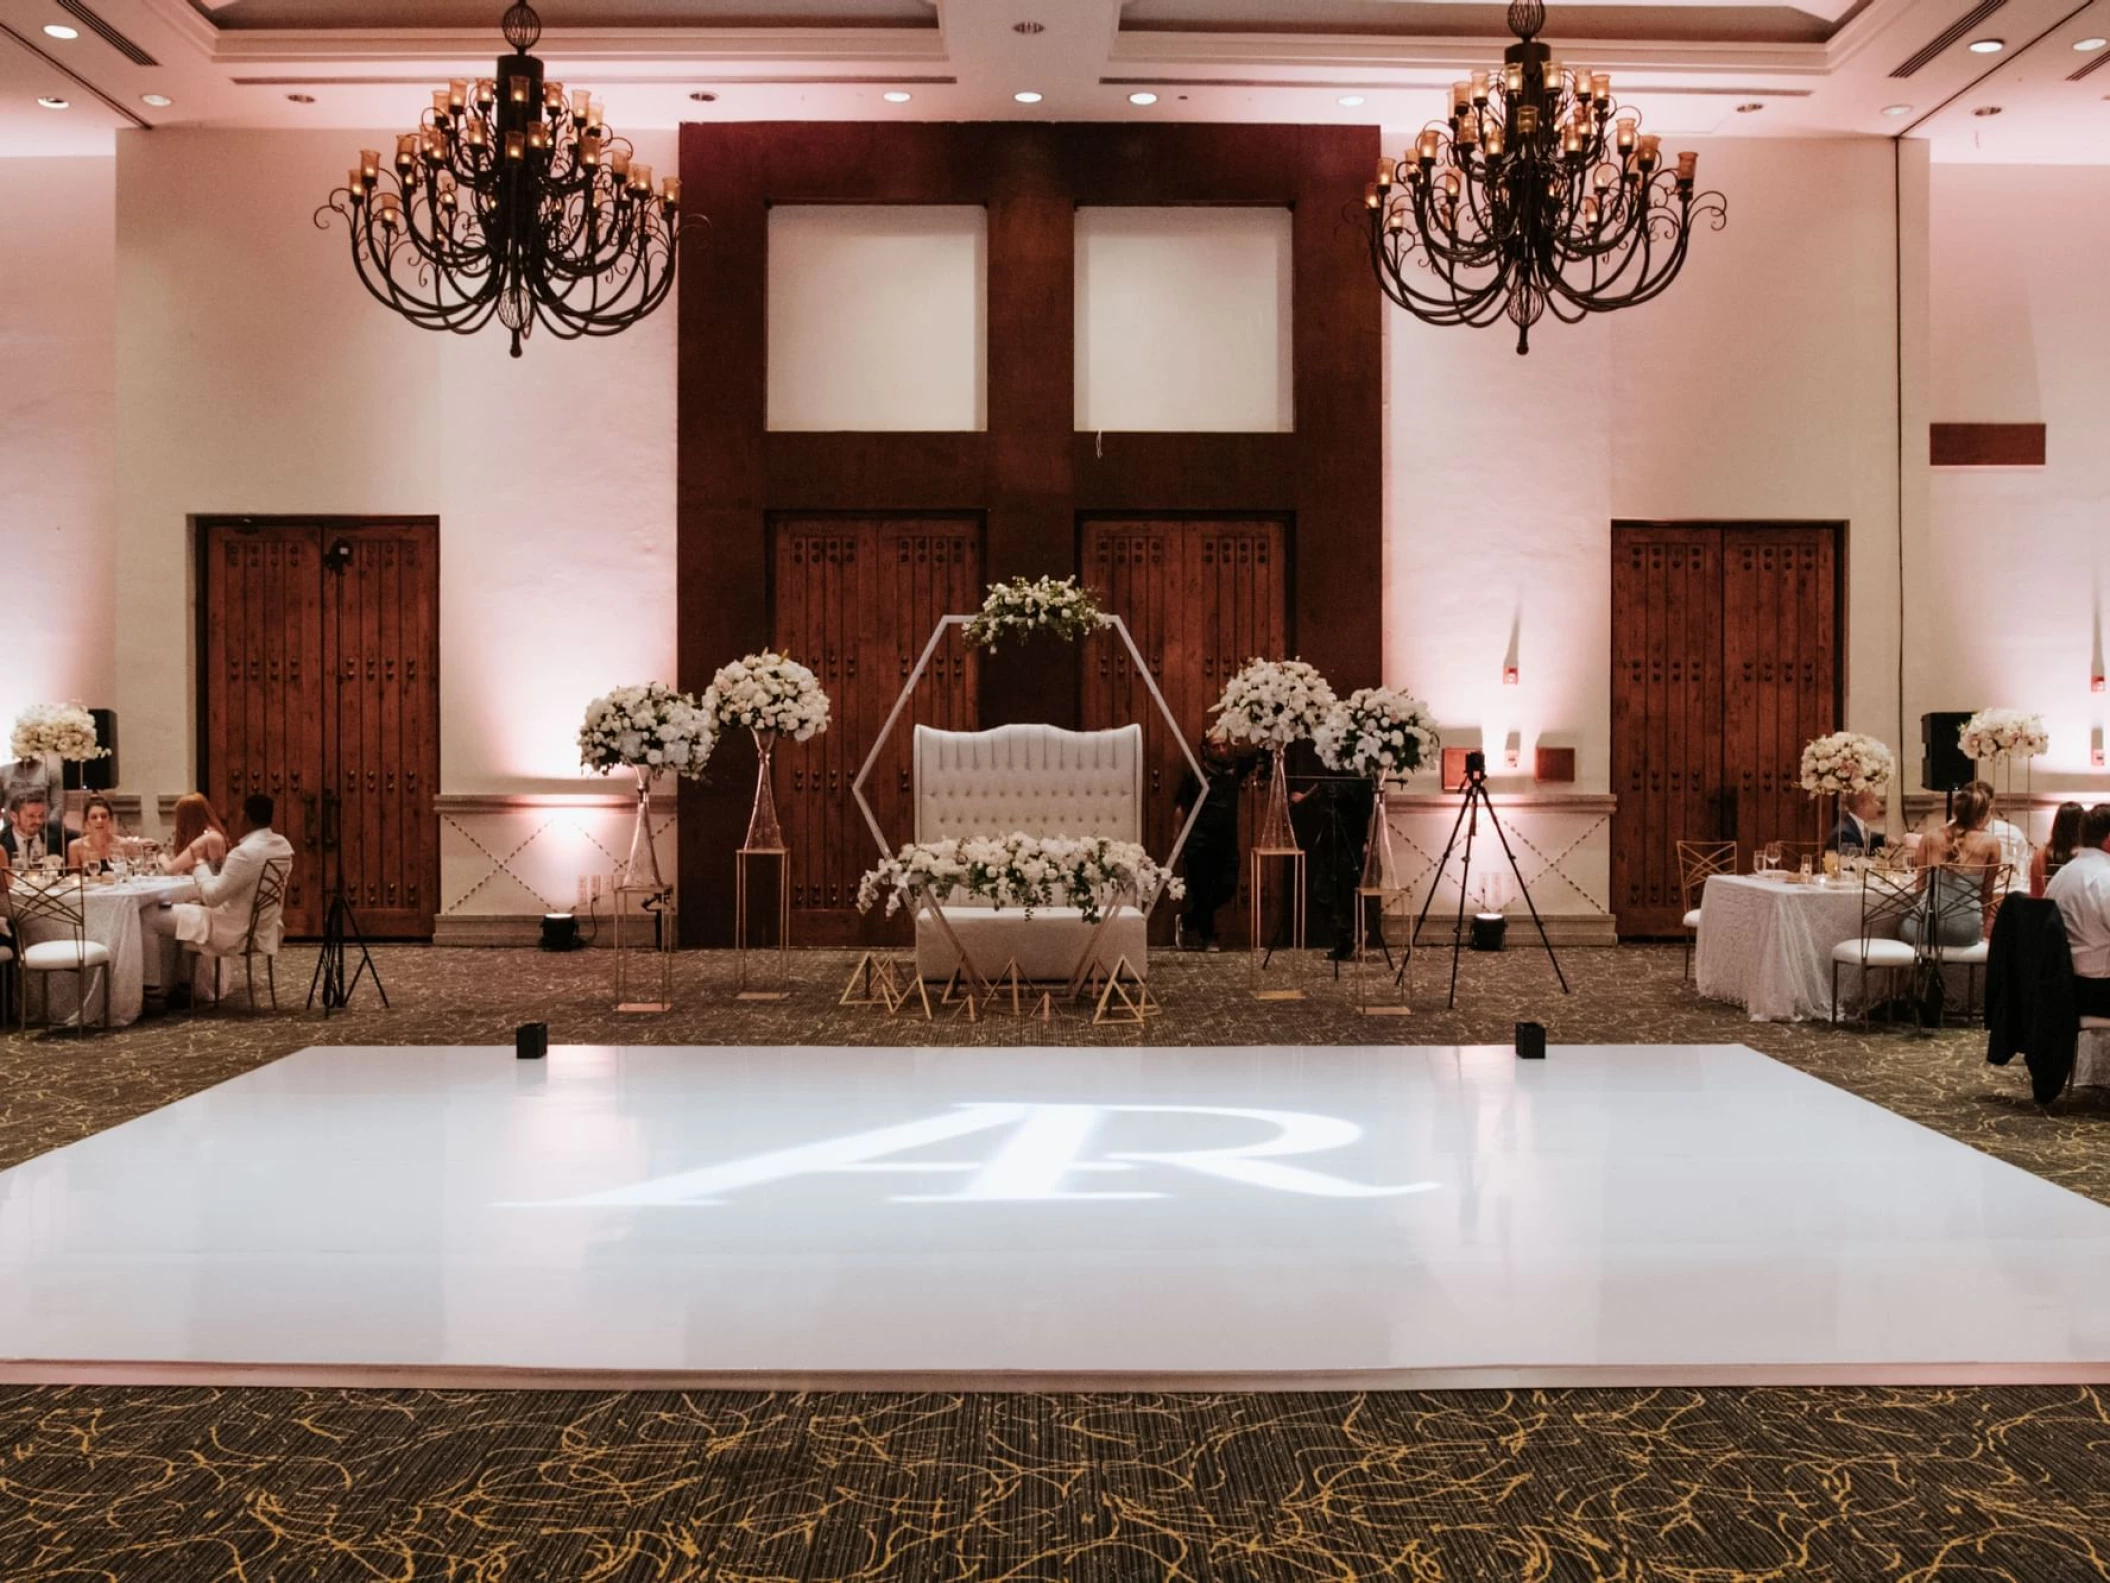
(109, 35)
(2096, 64)
(1947, 36)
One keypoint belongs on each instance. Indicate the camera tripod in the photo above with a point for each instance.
(340, 925)
(1476, 798)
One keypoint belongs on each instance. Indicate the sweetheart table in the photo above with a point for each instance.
(1766, 943)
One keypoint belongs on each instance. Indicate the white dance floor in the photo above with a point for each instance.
(1255, 1216)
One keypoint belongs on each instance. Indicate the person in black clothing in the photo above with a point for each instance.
(1212, 850)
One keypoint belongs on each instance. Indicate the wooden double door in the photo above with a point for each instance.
(319, 671)
(1725, 662)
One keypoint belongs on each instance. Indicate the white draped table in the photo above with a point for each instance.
(112, 916)
(1766, 944)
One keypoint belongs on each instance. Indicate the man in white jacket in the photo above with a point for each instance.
(219, 920)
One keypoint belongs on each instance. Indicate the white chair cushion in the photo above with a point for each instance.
(50, 956)
(1692, 919)
(2089, 1023)
(1874, 953)
(1973, 955)
(1040, 779)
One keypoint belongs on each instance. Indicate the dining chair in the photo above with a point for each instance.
(1949, 907)
(60, 904)
(1697, 861)
(262, 938)
(1888, 898)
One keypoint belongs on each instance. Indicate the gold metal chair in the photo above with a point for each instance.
(1697, 862)
(1952, 904)
(266, 908)
(1888, 898)
(58, 904)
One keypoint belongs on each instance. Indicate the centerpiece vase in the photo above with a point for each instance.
(1380, 874)
(764, 834)
(1276, 834)
(641, 867)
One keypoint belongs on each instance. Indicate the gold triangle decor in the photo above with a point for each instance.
(955, 989)
(1126, 998)
(870, 981)
(900, 996)
(1012, 981)
(1091, 981)
(970, 1008)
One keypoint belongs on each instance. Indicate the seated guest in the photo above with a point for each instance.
(1858, 813)
(2016, 854)
(2057, 852)
(2082, 892)
(97, 848)
(219, 921)
(29, 839)
(198, 839)
(1958, 861)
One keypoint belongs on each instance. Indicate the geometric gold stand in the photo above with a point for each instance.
(641, 965)
(742, 859)
(1365, 897)
(1266, 860)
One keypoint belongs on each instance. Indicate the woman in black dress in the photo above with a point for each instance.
(1212, 850)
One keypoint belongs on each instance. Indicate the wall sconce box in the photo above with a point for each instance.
(1554, 764)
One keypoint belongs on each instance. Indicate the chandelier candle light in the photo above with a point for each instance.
(512, 199)
(1539, 194)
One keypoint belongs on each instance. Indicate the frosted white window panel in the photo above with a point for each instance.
(1183, 320)
(877, 317)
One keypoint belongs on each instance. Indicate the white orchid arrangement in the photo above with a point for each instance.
(1273, 703)
(1376, 731)
(649, 728)
(768, 692)
(65, 729)
(1846, 761)
(2003, 733)
(1019, 870)
(1042, 604)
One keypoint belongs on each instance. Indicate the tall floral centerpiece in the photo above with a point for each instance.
(1378, 732)
(651, 730)
(61, 731)
(2003, 736)
(773, 696)
(1844, 761)
(1056, 605)
(1270, 704)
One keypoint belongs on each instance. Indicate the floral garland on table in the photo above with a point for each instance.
(768, 692)
(1045, 604)
(1376, 731)
(1024, 871)
(1273, 703)
(2003, 733)
(650, 728)
(1846, 761)
(67, 730)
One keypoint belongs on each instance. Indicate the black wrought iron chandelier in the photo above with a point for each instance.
(1540, 194)
(512, 201)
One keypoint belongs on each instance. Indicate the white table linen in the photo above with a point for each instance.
(112, 917)
(1766, 944)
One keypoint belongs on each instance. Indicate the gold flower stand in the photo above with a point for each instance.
(743, 888)
(1266, 861)
(644, 946)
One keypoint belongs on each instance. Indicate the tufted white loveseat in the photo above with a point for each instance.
(1044, 781)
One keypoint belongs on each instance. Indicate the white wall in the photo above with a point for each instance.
(57, 400)
(2006, 604)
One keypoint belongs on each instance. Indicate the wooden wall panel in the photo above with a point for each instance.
(1985, 444)
(1780, 672)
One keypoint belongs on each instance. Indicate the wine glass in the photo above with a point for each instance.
(1773, 850)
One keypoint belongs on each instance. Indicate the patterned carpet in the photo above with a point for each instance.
(1696, 1486)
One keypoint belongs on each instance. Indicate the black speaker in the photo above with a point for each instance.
(97, 775)
(1943, 766)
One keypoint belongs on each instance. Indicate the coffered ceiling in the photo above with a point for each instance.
(1815, 68)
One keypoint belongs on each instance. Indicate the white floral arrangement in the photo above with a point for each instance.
(1846, 761)
(651, 728)
(1043, 604)
(1273, 703)
(768, 692)
(1376, 731)
(1024, 871)
(2003, 733)
(67, 730)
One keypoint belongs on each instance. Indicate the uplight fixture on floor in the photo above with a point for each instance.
(1540, 194)
(513, 201)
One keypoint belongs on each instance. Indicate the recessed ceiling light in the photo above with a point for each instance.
(1749, 109)
(703, 97)
(1988, 46)
(52, 101)
(1027, 28)
(1142, 98)
(158, 101)
(897, 97)
(300, 98)
(1027, 97)
(1987, 109)
(61, 30)
(1897, 109)
(2089, 45)
(1351, 100)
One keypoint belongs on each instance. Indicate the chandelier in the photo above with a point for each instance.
(512, 201)
(1540, 194)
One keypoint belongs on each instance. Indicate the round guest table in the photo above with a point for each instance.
(112, 915)
(1766, 944)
